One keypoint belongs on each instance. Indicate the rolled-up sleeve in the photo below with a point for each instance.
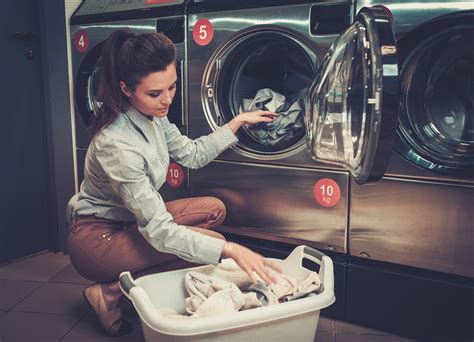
(199, 152)
(125, 168)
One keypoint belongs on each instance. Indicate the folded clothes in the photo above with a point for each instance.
(225, 288)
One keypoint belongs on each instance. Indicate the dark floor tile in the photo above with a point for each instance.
(323, 336)
(88, 330)
(70, 275)
(344, 327)
(2, 313)
(37, 268)
(13, 291)
(27, 326)
(325, 324)
(370, 338)
(55, 298)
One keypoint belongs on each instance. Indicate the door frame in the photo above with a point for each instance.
(56, 112)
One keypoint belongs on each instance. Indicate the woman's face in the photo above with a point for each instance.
(154, 94)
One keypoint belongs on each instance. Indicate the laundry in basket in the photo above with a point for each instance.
(225, 289)
(297, 320)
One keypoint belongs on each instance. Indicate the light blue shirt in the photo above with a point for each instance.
(126, 164)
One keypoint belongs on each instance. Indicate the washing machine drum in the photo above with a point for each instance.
(268, 72)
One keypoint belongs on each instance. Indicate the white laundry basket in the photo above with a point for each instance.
(291, 321)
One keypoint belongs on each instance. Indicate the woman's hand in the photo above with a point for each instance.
(250, 261)
(251, 118)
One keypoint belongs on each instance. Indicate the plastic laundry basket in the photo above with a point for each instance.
(291, 321)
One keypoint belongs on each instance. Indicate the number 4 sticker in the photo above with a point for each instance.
(203, 32)
(81, 41)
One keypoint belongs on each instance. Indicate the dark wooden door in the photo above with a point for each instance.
(24, 185)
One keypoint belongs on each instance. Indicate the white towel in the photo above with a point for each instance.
(211, 295)
(219, 290)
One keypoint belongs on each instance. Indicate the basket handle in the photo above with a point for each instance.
(304, 252)
(140, 299)
(313, 254)
(326, 269)
(126, 282)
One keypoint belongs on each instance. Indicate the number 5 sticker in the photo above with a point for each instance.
(203, 32)
(327, 192)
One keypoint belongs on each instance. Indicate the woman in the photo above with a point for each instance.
(119, 222)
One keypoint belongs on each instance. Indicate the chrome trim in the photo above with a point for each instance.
(183, 90)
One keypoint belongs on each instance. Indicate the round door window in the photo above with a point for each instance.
(86, 88)
(267, 69)
(340, 103)
(437, 113)
(352, 105)
(93, 102)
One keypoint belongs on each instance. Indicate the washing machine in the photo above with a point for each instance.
(410, 235)
(277, 190)
(388, 179)
(91, 24)
(420, 214)
(271, 189)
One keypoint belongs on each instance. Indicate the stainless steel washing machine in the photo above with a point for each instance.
(91, 24)
(420, 214)
(279, 192)
(391, 102)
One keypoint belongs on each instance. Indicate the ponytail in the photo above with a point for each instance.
(127, 57)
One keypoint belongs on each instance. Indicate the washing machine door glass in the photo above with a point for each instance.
(437, 97)
(351, 108)
(93, 102)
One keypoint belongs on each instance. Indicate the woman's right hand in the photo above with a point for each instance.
(251, 118)
(249, 261)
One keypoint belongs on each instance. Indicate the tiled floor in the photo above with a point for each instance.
(41, 300)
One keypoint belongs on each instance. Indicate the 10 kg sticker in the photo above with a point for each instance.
(327, 192)
(175, 175)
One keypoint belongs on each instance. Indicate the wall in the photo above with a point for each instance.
(58, 114)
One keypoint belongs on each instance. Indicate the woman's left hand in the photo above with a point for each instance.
(251, 118)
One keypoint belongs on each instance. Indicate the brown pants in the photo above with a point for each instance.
(101, 249)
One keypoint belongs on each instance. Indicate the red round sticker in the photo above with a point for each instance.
(203, 32)
(81, 41)
(175, 175)
(327, 192)
(154, 2)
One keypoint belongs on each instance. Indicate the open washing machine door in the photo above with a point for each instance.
(351, 108)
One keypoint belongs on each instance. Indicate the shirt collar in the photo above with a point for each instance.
(141, 123)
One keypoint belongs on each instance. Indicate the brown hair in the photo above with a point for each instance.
(127, 57)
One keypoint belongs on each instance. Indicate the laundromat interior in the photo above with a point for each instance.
(363, 181)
